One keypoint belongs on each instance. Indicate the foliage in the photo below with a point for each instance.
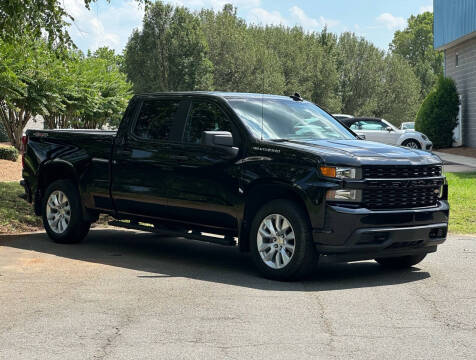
(169, 53)
(360, 66)
(342, 74)
(438, 113)
(3, 133)
(8, 153)
(93, 91)
(28, 88)
(398, 95)
(67, 89)
(36, 18)
(415, 44)
(462, 187)
(177, 49)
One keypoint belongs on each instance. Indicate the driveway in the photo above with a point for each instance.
(127, 295)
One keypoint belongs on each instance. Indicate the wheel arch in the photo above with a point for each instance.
(410, 138)
(49, 172)
(262, 192)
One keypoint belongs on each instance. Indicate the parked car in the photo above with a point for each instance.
(380, 130)
(277, 173)
(407, 125)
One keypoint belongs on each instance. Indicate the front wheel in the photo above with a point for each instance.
(62, 213)
(401, 261)
(281, 241)
(412, 144)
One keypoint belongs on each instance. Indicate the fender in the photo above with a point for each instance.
(262, 191)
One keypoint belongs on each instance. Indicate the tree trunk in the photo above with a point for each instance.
(14, 122)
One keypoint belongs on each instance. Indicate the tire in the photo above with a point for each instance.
(304, 257)
(412, 144)
(401, 262)
(62, 213)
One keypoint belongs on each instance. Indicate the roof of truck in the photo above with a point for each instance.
(222, 94)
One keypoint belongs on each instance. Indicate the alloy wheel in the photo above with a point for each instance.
(412, 145)
(276, 241)
(58, 211)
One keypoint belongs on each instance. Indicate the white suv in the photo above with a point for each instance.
(382, 131)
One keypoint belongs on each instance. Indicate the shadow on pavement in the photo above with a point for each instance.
(160, 257)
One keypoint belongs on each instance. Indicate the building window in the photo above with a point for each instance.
(457, 60)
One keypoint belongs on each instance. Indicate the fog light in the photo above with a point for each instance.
(344, 195)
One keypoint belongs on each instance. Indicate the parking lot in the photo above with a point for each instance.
(128, 295)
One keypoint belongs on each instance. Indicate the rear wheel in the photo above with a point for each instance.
(401, 261)
(62, 213)
(281, 241)
(412, 144)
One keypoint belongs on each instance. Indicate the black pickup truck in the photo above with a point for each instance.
(277, 173)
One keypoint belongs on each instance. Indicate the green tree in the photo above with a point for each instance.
(169, 53)
(398, 96)
(438, 113)
(305, 64)
(3, 133)
(415, 44)
(27, 91)
(19, 18)
(241, 59)
(360, 66)
(92, 91)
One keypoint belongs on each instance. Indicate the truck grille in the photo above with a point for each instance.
(401, 193)
(400, 171)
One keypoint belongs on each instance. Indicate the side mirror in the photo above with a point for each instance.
(361, 137)
(388, 128)
(220, 139)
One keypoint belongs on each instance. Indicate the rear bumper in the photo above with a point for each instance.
(359, 234)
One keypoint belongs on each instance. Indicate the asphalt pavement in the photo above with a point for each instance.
(130, 295)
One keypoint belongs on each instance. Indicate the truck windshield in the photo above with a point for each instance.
(276, 119)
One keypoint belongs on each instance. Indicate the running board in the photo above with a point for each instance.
(227, 240)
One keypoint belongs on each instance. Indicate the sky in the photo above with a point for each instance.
(110, 24)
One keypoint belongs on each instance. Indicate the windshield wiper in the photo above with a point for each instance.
(279, 140)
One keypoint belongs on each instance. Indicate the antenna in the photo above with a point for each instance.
(262, 98)
(296, 97)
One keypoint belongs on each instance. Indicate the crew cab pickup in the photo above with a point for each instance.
(275, 175)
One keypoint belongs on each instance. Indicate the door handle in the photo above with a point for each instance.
(179, 157)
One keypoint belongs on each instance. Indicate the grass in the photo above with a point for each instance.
(16, 215)
(462, 197)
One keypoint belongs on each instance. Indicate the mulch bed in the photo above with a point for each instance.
(10, 170)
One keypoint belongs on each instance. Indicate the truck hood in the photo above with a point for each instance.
(360, 152)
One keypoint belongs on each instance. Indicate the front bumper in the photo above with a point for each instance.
(358, 234)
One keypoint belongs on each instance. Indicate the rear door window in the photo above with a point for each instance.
(156, 119)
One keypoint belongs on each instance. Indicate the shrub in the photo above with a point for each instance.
(438, 112)
(8, 153)
(3, 133)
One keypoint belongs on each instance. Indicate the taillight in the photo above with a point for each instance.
(24, 143)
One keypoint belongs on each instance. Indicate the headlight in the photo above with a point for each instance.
(423, 136)
(339, 172)
(344, 195)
